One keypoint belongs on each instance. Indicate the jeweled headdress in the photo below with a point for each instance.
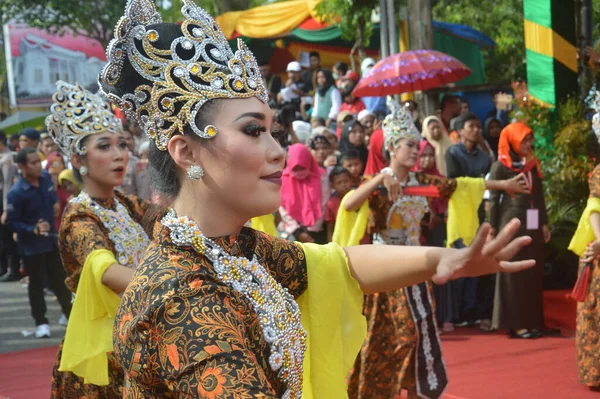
(593, 101)
(197, 67)
(398, 124)
(76, 114)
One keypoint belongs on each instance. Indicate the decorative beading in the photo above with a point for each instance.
(278, 312)
(398, 125)
(76, 114)
(197, 67)
(129, 238)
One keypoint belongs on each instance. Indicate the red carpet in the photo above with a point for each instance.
(480, 366)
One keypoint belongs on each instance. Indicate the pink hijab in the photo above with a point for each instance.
(301, 191)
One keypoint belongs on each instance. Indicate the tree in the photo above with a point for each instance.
(97, 18)
(503, 22)
(353, 19)
(94, 19)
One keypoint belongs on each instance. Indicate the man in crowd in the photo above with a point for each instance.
(30, 213)
(9, 257)
(47, 146)
(295, 87)
(272, 81)
(309, 77)
(468, 159)
(138, 135)
(500, 110)
(450, 109)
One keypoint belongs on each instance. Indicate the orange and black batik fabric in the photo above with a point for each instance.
(182, 332)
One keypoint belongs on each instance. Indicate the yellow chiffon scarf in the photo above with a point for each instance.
(89, 333)
(331, 311)
(265, 223)
(350, 227)
(584, 233)
(463, 220)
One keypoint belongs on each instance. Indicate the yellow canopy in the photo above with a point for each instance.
(268, 21)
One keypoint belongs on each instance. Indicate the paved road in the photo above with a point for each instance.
(15, 317)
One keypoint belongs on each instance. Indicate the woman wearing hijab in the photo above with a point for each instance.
(353, 138)
(434, 133)
(304, 194)
(491, 133)
(518, 303)
(328, 100)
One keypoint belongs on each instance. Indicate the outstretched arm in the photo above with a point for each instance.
(387, 267)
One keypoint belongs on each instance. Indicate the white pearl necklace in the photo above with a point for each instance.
(278, 312)
(129, 238)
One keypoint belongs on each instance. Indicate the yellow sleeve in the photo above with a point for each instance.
(350, 227)
(89, 332)
(584, 233)
(332, 314)
(463, 220)
(265, 223)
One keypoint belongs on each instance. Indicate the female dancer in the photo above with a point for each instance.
(401, 323)
(218, 317)
(101, 242)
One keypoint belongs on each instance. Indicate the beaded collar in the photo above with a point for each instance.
(278, 312)
(129, 238)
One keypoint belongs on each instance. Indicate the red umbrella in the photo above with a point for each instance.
(416, 70)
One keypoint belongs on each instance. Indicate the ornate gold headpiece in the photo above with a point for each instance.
(197, 67)
(76, 114)
(398, 124)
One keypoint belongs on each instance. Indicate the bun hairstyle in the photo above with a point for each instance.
(171, 77)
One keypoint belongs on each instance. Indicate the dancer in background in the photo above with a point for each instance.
(401, 323)
(101, 242)
(586, 244)
(215, 309)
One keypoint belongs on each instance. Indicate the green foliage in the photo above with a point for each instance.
(350, 16)
(97, 18)
(502, 20)
(566, 147)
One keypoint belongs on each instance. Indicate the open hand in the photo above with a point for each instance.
(516, 185)
(591, 251)
(485, 257)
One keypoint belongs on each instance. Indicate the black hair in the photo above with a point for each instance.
(3, 139)
(163, 171)
(464, 118)
(447, 100)
(263, 62)
(413, 103)
(347, 90)
(321, 121)
(337, 171)
(21, 156)
(341, 66)
(314, 54)
(349, 155)
(464, 100)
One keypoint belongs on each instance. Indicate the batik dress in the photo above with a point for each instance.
(83, 232)
(587, 337)
(181, 331)
(402, 349)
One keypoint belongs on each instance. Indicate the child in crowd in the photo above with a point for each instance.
(340, 181)
(352, 104)
(351, 161)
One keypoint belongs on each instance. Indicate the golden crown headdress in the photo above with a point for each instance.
(398, 124)
(197, 67)
(77, 114)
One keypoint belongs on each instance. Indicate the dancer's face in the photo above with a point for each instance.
(242, 163)
(106, 160)
(406, 153)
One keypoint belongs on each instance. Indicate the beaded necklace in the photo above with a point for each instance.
(129, 238)
(278, 312)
